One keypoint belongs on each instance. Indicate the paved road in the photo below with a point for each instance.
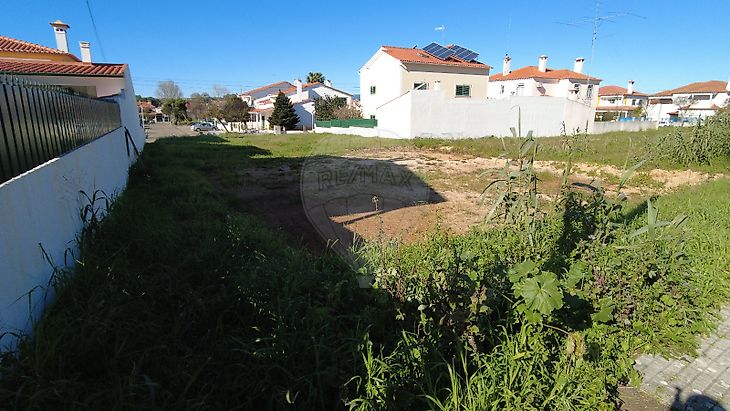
(161, 130)
(701, 383)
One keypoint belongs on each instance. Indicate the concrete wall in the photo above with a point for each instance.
(431, 114)
(384, 72)
(42, 207)
(358, 131)
(600, 127)
(449, 78)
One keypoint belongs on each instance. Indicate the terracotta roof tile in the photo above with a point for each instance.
(265, 87)
(9, 44)
(617, 91)
(712, 86)
(534, 72)
(413, 55)
(70, 68)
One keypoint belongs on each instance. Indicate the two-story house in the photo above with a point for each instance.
(690, 102)
(618, 102)
(301, 95)
(394, 71)
(543, 81)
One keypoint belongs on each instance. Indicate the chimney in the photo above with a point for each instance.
(630, 88)
(543, 63)
(727, 86)
(298, 84)
(59, 29)
(506, 65)
(578, 66)
(85, 51)
(328, 83)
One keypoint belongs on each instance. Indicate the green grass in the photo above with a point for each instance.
(181, 302)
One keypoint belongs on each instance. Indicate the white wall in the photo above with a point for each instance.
(600, 127)
(42, 207)
(431, 114)
(385, 73)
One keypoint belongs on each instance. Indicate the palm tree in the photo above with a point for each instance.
(315, 77)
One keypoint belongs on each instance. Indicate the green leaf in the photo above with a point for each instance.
(518, 272)
(667, 300)
(575, 275)
(541, 293)
(605, 314)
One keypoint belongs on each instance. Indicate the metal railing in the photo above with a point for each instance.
(41, 122)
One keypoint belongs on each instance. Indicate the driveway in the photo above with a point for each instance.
(161, 130)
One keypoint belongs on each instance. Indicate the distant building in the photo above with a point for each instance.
(543, 81)
(301, 95)
(394, 71)
(620, 102)
(689, 103)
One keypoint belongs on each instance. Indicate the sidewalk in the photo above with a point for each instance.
(701, 383)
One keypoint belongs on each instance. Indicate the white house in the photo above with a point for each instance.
(58, 66)
(543, 81)
(393, 72)
(301, 95)
(620, 102)
(687, 103)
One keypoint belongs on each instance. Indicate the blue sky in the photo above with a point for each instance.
(242, 45)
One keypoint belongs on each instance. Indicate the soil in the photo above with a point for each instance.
(444, 189)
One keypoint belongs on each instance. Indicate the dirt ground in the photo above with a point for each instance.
(404, 193)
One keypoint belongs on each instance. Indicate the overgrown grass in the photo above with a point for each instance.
(183, 303)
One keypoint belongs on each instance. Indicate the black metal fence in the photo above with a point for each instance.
(40, 122)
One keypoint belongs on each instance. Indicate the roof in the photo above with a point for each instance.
(308, 85)
(534, 72)
(712, 86)
(415, 55)
(9, 44)
(272, 85)
(617, 91)
(64, 68)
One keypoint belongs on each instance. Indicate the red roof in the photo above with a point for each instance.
(9, 44)
(534, 72)
(414, 55)
(266, 87)
(617, 91)
(65, 68)
(712, 86)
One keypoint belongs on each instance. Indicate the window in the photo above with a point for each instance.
(501, 89)
(589, 92)
(372, 117)
(372, 89)
(463, 90)
(521, 89)
(420, 86)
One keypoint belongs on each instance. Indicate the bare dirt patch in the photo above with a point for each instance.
(454, 200)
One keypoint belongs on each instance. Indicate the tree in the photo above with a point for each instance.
(168, 90)
(283, 114)
(219, 91)
(347, 112)
(233, 109)
(199, 106)
(324, 108)
(315, 77)
(176, 108)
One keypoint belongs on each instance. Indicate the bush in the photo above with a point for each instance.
(700, 144)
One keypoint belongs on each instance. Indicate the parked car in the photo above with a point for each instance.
(202, 127)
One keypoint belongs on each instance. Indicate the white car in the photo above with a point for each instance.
(202, 127)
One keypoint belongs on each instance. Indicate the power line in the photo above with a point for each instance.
(96, 31)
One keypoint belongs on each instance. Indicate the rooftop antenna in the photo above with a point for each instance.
(597, 20)
(442, 29)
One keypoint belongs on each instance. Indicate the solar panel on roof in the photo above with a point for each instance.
(438, 51)
(464, 53)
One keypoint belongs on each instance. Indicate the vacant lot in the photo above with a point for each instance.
(195, 292)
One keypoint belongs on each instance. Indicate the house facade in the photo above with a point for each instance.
(616, 102)
(689, 103)
(301, 95)
(543, 81)
(393, 72)
(57, 66)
